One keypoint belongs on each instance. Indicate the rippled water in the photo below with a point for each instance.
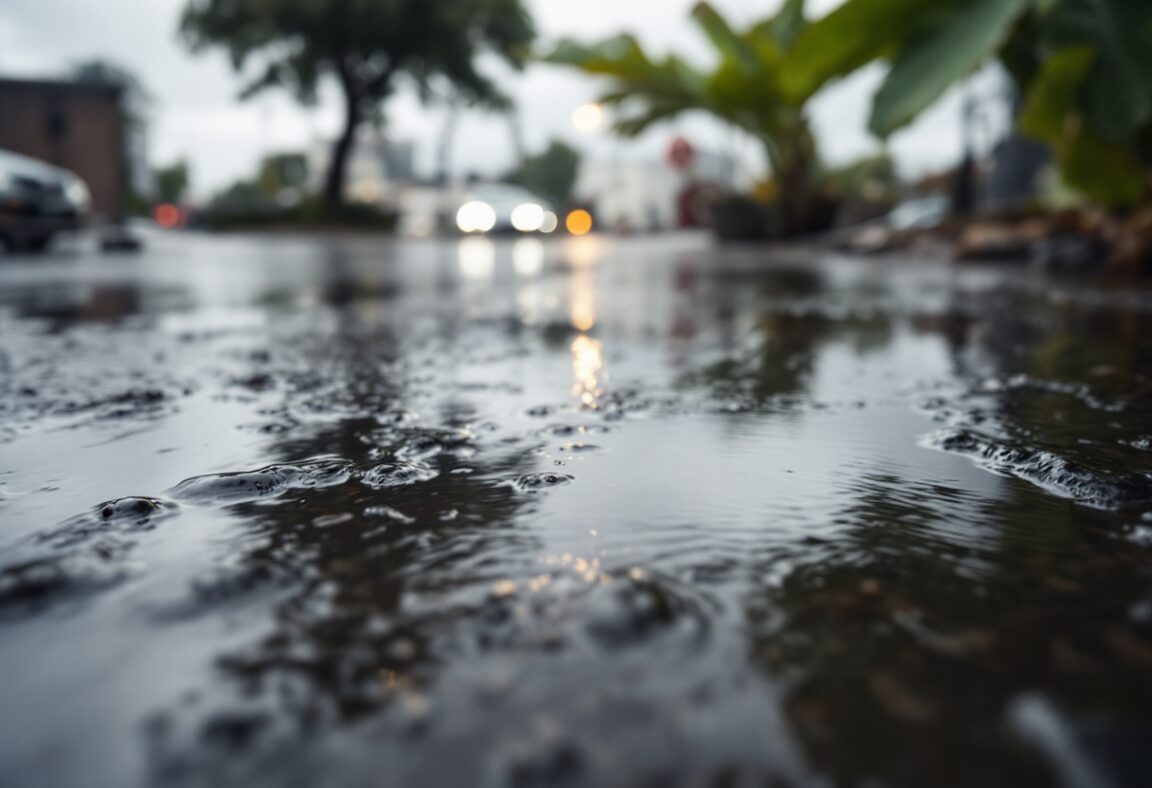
(593, 512)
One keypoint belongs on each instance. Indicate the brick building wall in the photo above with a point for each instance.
(76, 126)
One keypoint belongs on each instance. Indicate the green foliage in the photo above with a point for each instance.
(657, 90)
(870, 179)
(280, 171)
(1117, 89)
(947, 48)
(244, 192)
(233, 214)
(171, 182)
(1089, 161)
(365, 43)
(931, 45)
(550, 173)
(852, 35)
(1091, 97)
(1084, 67)
(745, 88)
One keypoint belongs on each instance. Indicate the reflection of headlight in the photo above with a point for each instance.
(476, 217)
(527, 217)
(77, 193)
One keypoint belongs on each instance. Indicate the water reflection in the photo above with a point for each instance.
(528, 257)
(477, 257)
(587, 361)
(582, 293)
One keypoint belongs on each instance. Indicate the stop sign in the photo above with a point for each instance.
(681, 153)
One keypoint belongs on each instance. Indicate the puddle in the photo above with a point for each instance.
(649, 513)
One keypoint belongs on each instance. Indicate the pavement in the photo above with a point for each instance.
(340, 510)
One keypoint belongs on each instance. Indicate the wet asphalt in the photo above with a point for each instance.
(351, 511)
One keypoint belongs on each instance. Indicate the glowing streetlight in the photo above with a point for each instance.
(588, 117)
(578, 222)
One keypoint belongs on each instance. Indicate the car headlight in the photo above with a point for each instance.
(476, 217)
(527, 217)
(77, 193)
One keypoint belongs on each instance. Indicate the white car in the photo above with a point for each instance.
(919, 213)
(503, 208)
(38, 200)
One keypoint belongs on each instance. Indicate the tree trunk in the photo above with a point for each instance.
(797, 193)
(516, 132)
(792, 168)
(338, 166)
(447, 137)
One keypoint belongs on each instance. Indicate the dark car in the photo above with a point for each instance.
(38, 200)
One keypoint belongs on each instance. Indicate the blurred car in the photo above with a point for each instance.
(919, 213)
(909, 221)
(503, 208)
(38, 200)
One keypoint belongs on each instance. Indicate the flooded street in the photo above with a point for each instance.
(588, 511)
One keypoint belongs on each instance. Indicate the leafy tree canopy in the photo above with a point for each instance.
(745, 87)
(365, 45)
(550, 173)
(1083, 66)
(172, 182)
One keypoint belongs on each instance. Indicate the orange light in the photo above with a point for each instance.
(168, 216)
(578, 222)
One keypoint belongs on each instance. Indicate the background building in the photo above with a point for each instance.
(641, 194)
(76, 125)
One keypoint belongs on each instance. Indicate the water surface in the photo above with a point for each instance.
(591, 512)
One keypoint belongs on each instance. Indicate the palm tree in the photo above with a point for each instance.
(745, 88)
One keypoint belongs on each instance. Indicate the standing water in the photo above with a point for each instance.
(588, 512)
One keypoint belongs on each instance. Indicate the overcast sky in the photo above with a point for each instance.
(195, 114)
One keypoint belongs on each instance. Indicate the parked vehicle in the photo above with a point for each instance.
(503, 208)
(37, 201)
(918, 213)
(897, 228)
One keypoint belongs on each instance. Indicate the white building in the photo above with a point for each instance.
(641, 194)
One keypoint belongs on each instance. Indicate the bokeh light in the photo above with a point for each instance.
(477, 258)
(476, 217)
(578, 222)
(527, 217)
(588, 117)
(168, 216)
(528, 257)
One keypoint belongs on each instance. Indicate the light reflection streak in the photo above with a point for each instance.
(477, 258)
(587, 353)
(587, 362)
